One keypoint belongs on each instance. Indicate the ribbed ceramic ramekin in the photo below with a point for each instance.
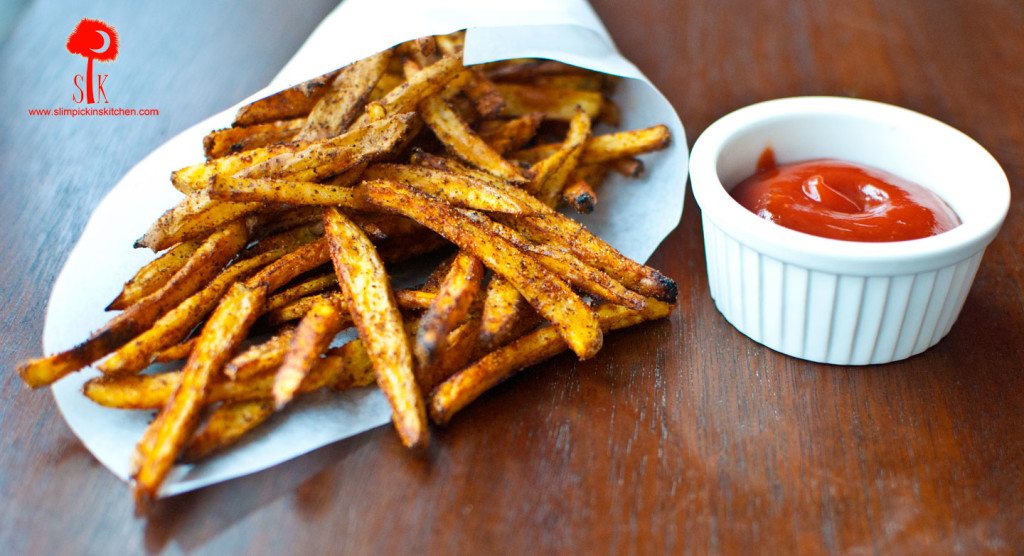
(833, 301)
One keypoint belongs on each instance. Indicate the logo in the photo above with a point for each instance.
(95, 41)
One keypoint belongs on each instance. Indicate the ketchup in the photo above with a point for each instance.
(840, 200)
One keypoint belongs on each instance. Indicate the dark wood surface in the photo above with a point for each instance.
(682, 436)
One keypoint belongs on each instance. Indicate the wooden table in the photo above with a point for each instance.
(682, 436)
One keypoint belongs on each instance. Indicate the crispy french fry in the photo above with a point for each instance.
(313, 285)
(374, 310)
(231, 140)
(259, 358)
(341, 368)
(437, 276)
(333, 113)
(195, 216)
(508, 135)
(286, 191)
(198, 177)
(503, 307)
(323, 159)
(289, 103)
(466, 385)
(555, 104)
(460, 139)
(555, 229)
(406, 96)
(547, 293)
(285, 269)
(167, 436)
(312, 337)
(176, 352)
(580, 196)
(484, 95)
(454, 298)
(302, 221)
(453, 188)
(173, 326)
(551, 173)
(225, 426)
(629, 166)
(608, 147)
(154, 274)
(409, 300)
(202, 266)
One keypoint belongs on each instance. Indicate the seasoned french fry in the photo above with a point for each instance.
(201, 267)
(313, 285)
(508, 135)
(466, 385)
(289, 103)
(167, 436)
(454, 298)
(406, 96)
(176, 352)
(409, 300)
(176, 323)
(333, 113)
(194, 216)
(299, 221)
(198, 177)
(548, 294)
(551, 173)
(374, 310)
(286, 191)
(555, 104)
(154, 274)
(485, 96)
(580, 196)
(454, 188)
(608, 147)
(503, 307)
(225, 426)
(323, 159)
(231, 140)
(460, 139)
(629, 166)
(285, 269)
(259, 358)
(555, 229)
(312, 337)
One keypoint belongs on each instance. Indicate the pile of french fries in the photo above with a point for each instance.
(287, 232)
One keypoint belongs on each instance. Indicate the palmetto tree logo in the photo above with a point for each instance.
(95, 40)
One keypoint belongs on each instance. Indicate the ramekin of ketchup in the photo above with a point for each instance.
(843, 231)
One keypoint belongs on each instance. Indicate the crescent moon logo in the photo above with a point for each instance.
(106, 42)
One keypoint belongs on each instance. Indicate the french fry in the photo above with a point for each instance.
(341, 368)
(460, 139)
(466, 385)
(460, 348)
(173, 326)
(286, 191)
(176, 352)
(454, 298)
(333, 113)
(222, 333)
(194, 216)
(408, 300)
(503, 307)
(295, 221)
(484, 95)
(400, 249)
(290, 103)
(580, 196)
(154, 274)
(555, 229)
(508, 135)
(313, 285)
(231, 140)
(201, 267)
(551, 173)
(406, 96)
(198, 177)
(608, 147)
(323, 159)
(225, 426)
(374, 310)
(628, 166)
(285, 269)
(548, 294)
(312, 337)
(259, 358)
(453, 188)
(555, 104)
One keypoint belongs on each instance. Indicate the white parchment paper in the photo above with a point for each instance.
(633, 215)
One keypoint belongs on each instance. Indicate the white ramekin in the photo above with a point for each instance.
(834, 301)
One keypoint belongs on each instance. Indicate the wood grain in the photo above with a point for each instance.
(680, 437)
